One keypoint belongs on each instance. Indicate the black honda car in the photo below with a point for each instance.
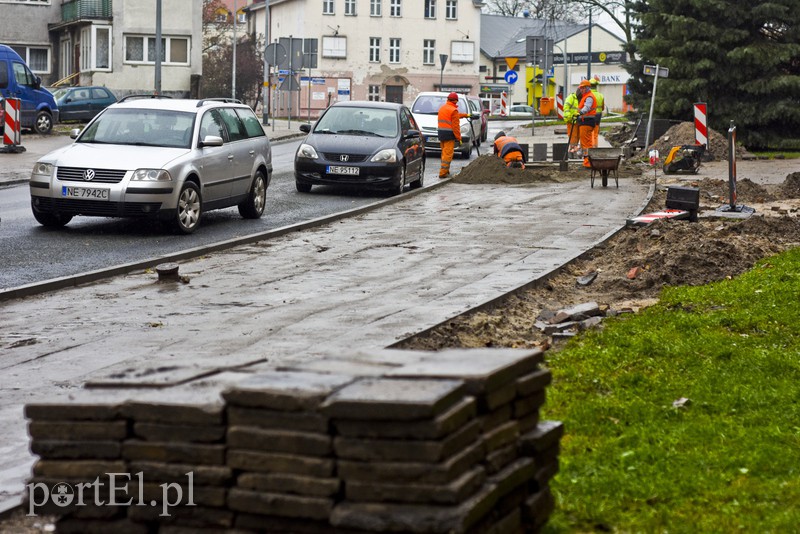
(368, 145)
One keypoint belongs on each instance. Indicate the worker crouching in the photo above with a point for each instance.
(507, 148)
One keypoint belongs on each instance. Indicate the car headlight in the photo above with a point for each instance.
(388, 155)
(43, 169)
(465, 130)
(307, 151)
(151, 175)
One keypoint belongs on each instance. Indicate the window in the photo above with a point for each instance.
(350, 7)
(430, 9)
(141, 49)
(221, 15)
(38, 59)
(462, 52)
(375, 8)
(394, 8)
(327, 7)
(394, 50)
(241, 18)
(451, 9)
(428, 51)
(374, 49)
(374, 93)
(334, 46)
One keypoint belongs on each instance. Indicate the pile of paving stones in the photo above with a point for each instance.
(386, 441)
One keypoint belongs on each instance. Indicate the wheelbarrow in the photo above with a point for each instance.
(604, 162)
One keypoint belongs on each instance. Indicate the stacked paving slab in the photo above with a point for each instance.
(385, 441)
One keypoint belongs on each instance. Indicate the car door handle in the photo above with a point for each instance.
(230, 156)
(252, 152)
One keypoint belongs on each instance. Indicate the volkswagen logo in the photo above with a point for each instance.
(88, 175)
(344, 157)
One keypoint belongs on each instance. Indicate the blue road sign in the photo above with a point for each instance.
(511, 77)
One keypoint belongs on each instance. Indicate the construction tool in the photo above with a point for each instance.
(684, 159)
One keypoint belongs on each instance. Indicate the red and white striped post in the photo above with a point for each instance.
(700, 124)
(12, 126)
(503, 104)
(560, 106)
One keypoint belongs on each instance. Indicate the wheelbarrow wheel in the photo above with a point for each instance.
(605, 178)
(591, 179)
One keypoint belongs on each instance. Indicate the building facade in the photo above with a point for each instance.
(382, 50)
(107, 42)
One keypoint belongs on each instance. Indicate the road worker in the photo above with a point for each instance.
(595, 86)
(587, 108)
(507, 148)
(570, 117)
(449, 131)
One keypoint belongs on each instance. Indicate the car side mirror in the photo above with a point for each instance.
(211, 140)
(74, 133)
(305, 128)
(37, 82)
(411, 134)
(475, 116)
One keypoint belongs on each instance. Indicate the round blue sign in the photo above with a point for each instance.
(511, 77)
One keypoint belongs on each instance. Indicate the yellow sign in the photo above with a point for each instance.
(511, 62)
(602, 57)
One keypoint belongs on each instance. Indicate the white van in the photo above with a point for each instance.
(426, 112)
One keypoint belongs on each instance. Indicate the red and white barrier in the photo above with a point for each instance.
(560, 106)
(12, 129)
(503, 104)
(700, 124)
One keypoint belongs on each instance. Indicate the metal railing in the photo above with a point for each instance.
(85, 9)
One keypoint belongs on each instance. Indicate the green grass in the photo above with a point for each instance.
(777, 154)
(727, 461)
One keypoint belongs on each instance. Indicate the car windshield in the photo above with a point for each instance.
(141, 127)
(58, 93)
(430, 104)
(358, 121)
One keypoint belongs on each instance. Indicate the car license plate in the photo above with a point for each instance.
(336, 169)
(84, 192)
(432, 139)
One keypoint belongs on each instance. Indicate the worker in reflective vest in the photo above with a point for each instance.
(601, 103)
(587, 108)
(570, 118)
(449, 131)
(507, 148)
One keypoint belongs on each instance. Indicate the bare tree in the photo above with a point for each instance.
(563, 10)
(622, 12)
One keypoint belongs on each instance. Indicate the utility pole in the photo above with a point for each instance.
(157, 87)
(233, 74)
(265, 105)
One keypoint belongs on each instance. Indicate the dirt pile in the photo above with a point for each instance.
(489, 169)
(635, 265)
(679, 134)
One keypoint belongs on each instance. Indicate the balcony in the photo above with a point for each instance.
(73, 10)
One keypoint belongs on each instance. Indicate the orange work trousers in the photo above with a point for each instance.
(596, 132)
(512, 157)
(572, 132)
(587, 136)
(448, 148)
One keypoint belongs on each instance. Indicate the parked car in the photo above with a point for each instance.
(170, 159)
(82, 103)
(520, 111)
(38, 108)
(476, 106)
(426, 109)
(369, 145)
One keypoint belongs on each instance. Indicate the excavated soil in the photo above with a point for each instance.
(633, 266)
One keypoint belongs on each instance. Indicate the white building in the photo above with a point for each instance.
(374, 49)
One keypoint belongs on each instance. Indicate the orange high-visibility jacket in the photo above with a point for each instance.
(449, 124)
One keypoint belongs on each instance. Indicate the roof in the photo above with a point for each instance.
(505, 36)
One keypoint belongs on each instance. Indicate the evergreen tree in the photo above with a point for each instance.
(742, 58)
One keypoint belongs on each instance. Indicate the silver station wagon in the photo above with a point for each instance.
(170, 159)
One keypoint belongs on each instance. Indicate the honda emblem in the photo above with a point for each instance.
(344, 157)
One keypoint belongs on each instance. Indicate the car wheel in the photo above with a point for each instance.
(467, 152)
(397, 189)
(301, 187)
(44, 123)
(419, 182)
(51, 220)
(253, 206)
(189, 208)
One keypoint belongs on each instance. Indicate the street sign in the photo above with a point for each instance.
(511, 77)
(650, 70)
(290, 84)
(295, 47)
(511, 62)
(276, 55)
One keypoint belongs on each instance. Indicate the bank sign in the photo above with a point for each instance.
(606, 78)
